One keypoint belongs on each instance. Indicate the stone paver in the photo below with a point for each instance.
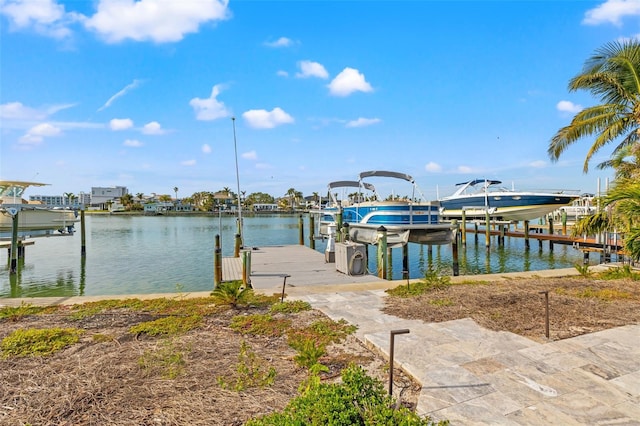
(474, 376)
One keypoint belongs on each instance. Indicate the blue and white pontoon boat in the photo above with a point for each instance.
(405, 219)
(479, 196)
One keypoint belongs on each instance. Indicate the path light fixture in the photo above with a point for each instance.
(391, 349)
(284, 284)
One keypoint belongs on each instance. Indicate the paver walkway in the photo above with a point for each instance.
(474, 376)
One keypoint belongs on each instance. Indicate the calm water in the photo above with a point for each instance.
(155, 254)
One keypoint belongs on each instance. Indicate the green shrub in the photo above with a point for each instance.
(38, 342)
(251, 371)
(13, 313)
(583, 269)
(232, 293)
(168, 361)
(260, 324)
(358, 400)
(625, 272)
(432, 281)
(290, 307)
(168, 326)
(309, 352)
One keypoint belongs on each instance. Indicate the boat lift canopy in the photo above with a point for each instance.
(397, 175)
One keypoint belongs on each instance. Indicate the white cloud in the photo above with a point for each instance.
(433, 167)
(263, 119)
(612, 11)
(263, 166)
(362, 122)
(250, 155)
(464, 169)
(348, 81)
(281, 42)
(122, 92)
(210, 108)
(132, 143)
(282, 73)
(311, 69)
(37, 133)
(18, 111)
(188, 163)
(153, 128)
(206, 149)
(538, 164)
(120, 124)
(151, 20)
(45, 17)
(568, 106)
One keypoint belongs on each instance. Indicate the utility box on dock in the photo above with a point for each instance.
(351, 258)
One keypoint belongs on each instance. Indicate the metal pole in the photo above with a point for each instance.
(284, 284)
(546, 312)
(391, 350)
(235, 146)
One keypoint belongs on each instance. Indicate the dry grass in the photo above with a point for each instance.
(576, 305)
(114, 377)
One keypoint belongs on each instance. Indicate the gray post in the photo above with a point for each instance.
(13, 262)
(391, 351)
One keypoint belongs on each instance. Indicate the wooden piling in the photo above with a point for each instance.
(382, 252)
(454, 250)
(300, 231)
(405, 262)
(13, 261)
(463, 235)
(550, 233)
(487, 231)
(246, 268)
(217, 263)
(312, 232)
(83, 238)
(236, 249)
(526, 235)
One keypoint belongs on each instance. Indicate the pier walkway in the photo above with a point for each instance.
(469, 375)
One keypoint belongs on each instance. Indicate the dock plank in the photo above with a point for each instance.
(302, 265)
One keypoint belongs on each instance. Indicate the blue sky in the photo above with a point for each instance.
(141, 94)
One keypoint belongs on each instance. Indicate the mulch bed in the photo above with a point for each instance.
(519, 307)
(102, 382)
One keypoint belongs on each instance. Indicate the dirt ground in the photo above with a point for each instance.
(103, 382)
(577, 305)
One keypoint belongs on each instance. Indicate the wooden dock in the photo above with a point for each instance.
(301, 265)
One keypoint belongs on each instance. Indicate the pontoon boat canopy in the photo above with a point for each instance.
(351, 184)
(381, 173)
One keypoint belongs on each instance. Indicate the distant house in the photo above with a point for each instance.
(162, 207)
(263, 207)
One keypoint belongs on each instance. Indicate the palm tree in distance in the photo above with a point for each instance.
(68, 197)
(612, 74)
(175, 189)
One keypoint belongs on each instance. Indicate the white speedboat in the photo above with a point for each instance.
(481, 196)
(33, 219)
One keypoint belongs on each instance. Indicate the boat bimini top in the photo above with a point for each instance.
(382, 173)
(397, 175)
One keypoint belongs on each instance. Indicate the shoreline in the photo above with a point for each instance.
(297, 291)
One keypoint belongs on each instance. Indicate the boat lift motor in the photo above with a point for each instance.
(330, 251)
